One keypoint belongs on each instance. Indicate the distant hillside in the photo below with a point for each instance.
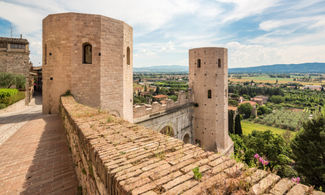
(283, 68)
(162, 69)
(276, 68)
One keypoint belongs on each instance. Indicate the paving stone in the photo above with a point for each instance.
(36, 157)
(298, 189)
(264, 184)
(282, 186)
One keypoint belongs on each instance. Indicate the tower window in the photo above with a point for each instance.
(128, 56)
(199, 63)
(209, 94)
(219, 63)
(86, 53)
(45, 54)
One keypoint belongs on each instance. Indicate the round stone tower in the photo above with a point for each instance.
(208, 80)
(90, 55)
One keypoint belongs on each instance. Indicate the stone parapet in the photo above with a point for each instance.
(140, 111)
(113, 156)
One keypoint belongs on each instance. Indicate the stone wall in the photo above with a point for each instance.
(141, 112)
(113, 156)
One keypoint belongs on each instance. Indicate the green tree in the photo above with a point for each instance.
(231, 114)
(233, 102)
(308, 149)
(245, 110)
(263, 110)
(277, 99)
(238, 129)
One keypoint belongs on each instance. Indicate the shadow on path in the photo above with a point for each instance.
(37, 160)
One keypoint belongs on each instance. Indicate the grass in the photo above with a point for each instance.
(267, 79)
(248, 127)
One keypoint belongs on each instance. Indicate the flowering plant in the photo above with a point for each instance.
(261, 160)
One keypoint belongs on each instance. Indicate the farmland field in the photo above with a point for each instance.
(248, 127)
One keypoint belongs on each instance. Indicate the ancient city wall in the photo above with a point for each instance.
(113, 156)
(145, 111)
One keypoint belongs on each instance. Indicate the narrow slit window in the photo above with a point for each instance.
(128, 56)
(219, 63)
(87, 53)
(45, 54)
(199, 63)
(209, 94)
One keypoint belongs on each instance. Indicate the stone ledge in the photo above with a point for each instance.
(113, 156)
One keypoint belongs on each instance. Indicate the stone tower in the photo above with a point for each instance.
(90, 55)
(208, 80)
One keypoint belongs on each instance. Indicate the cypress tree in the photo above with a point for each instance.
(238, 129)
(231, 121)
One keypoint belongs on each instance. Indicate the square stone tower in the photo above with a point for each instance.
(208, 80)
(90, 55)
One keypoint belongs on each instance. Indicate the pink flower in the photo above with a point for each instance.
(260, 159)
(265, 162)
(296, 179)
(256, 156)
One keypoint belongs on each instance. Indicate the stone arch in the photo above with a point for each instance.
(186, 138)
(87, 53)
(168, 130)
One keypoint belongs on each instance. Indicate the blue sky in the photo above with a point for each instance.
(256, 32)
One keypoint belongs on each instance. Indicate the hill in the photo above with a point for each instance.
(276, 68)
(283, 68)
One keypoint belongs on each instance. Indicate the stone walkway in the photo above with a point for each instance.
(34, 155)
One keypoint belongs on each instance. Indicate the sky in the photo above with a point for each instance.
(256, 32)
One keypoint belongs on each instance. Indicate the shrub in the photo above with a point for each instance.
(10, 96)
(8, 80)
(270, 146)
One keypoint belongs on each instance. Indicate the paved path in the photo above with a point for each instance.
(34, 155)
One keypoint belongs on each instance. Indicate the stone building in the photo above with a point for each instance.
(90, 55)
(208, 80)
(14, 58)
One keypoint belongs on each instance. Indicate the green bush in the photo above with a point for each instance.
(268, 145)
(8, 80)
(10, 96)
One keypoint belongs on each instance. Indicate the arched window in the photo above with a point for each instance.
(219, 63)
(86, 53)
(128, 56)
(209, 94)
(199, 63)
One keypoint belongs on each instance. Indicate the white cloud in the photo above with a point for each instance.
(245, 55)
(245, 8)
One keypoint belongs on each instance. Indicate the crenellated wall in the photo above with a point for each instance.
(140, 111)
(113, 156)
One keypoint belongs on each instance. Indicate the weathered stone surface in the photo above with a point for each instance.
(117, 157)
(264, 184)
(298, 189)
(282, 186)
